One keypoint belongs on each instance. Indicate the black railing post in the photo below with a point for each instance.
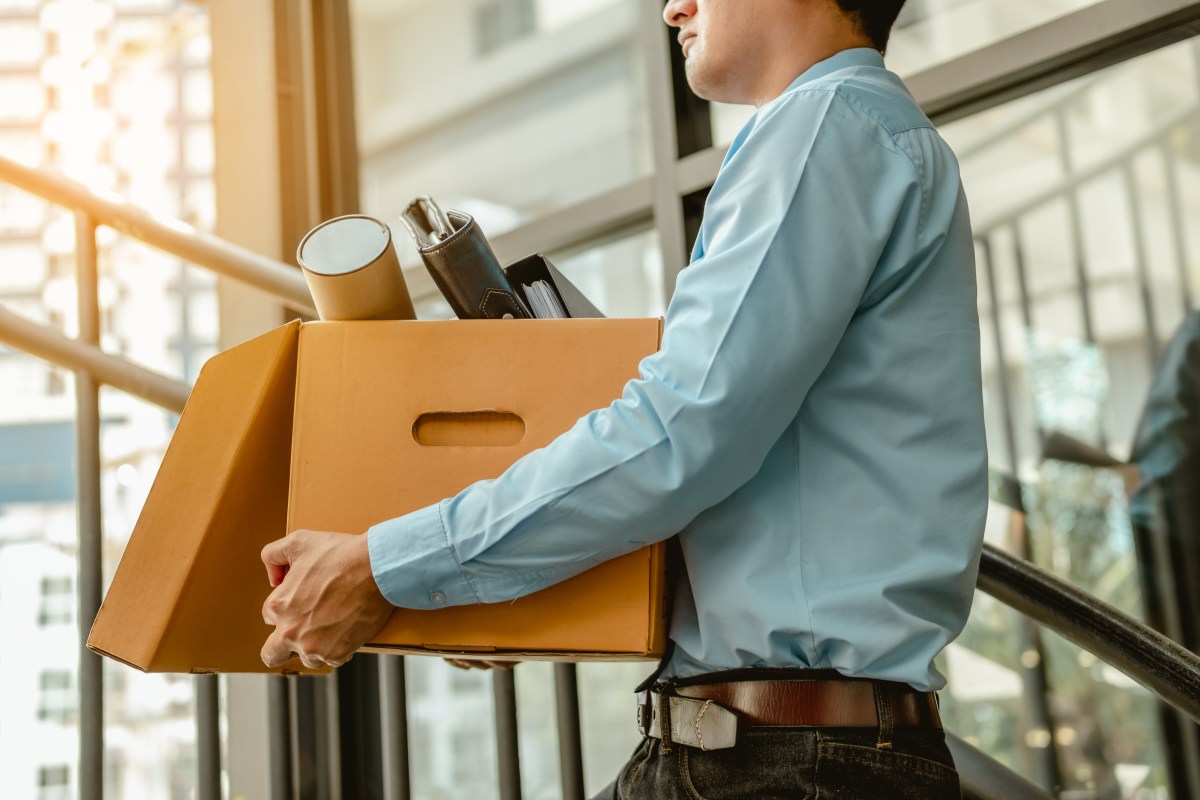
(570, 743)
(90, 534)
(1140, 259)
(1082, 278)
(360, 727)
(208, 737)
(984, 243)
(313, 745)
(393, 695)
(508, 761)
(1178, 226)
(279, 733)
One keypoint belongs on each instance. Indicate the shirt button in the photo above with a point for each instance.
(437, 597)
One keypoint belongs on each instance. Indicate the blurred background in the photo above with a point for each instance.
(564, 127)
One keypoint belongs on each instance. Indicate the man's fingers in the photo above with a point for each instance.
(472, 663)
(276, 652)
(276, 574)
(312, 662)
(276, 558)
(269, 607)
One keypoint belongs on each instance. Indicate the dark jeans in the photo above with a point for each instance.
(794, 763)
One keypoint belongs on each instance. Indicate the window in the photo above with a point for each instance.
(502, 21)
(931, 32)
(57, 604)
(1080, 197)
(54, 782)
(546, 121)
(56, 698)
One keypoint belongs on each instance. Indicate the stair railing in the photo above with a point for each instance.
(1159, 664)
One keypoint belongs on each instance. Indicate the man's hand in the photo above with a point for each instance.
(471, 663)
(326, 603)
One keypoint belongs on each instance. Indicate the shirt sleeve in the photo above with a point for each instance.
(794, 226)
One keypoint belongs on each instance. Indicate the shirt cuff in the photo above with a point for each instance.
(414, 564)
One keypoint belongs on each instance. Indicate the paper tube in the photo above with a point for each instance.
(352, 270)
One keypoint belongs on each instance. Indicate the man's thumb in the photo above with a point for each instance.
(275, 558)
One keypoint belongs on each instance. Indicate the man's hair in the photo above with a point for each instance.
(874, 17)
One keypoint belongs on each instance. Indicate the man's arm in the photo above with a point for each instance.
(789, 250)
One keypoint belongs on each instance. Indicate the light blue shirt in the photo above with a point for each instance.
(812, 424)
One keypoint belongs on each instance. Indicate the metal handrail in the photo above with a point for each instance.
(169, 235)
(1161, 665)
(1147, 656)
(46, 342)
(1156, 662)
(1115, 159)
(1049, 105)
(984, 778)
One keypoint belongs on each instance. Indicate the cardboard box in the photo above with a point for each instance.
(388, 417)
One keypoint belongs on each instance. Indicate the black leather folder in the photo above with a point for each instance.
(461, 263)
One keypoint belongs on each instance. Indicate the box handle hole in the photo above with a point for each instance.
(468, 429)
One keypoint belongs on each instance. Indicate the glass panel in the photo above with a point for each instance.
(452, 738)
(623, 277)
(932, 31)
(197, 92)
(106, 83)
(21, 99)
(537, 729)
(929, 32)
(20, 213)
(38, 743)
(1079, 197)
(606, 716)
(505, 109)
(20, 43)
(1079, 206)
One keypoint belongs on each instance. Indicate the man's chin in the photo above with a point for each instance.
(698, 81)
(706, 85)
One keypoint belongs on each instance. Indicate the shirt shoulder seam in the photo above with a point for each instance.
(865, 111)
(868, 113)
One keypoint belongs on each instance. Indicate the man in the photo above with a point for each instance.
(812, 425)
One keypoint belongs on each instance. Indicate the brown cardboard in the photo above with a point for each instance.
(356, 459)
(188, 593)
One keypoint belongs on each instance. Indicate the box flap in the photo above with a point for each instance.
(188, 593)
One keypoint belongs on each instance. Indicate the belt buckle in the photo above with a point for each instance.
(645, 711)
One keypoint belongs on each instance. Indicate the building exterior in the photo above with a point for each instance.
(118, 96)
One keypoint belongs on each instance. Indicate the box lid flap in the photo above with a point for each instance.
(219, 497)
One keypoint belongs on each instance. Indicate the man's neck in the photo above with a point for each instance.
(795, 55)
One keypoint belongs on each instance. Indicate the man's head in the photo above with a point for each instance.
(748, 51)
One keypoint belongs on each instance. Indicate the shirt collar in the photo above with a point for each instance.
(854, 57)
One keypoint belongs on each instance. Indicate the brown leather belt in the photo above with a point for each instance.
(836, 703)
